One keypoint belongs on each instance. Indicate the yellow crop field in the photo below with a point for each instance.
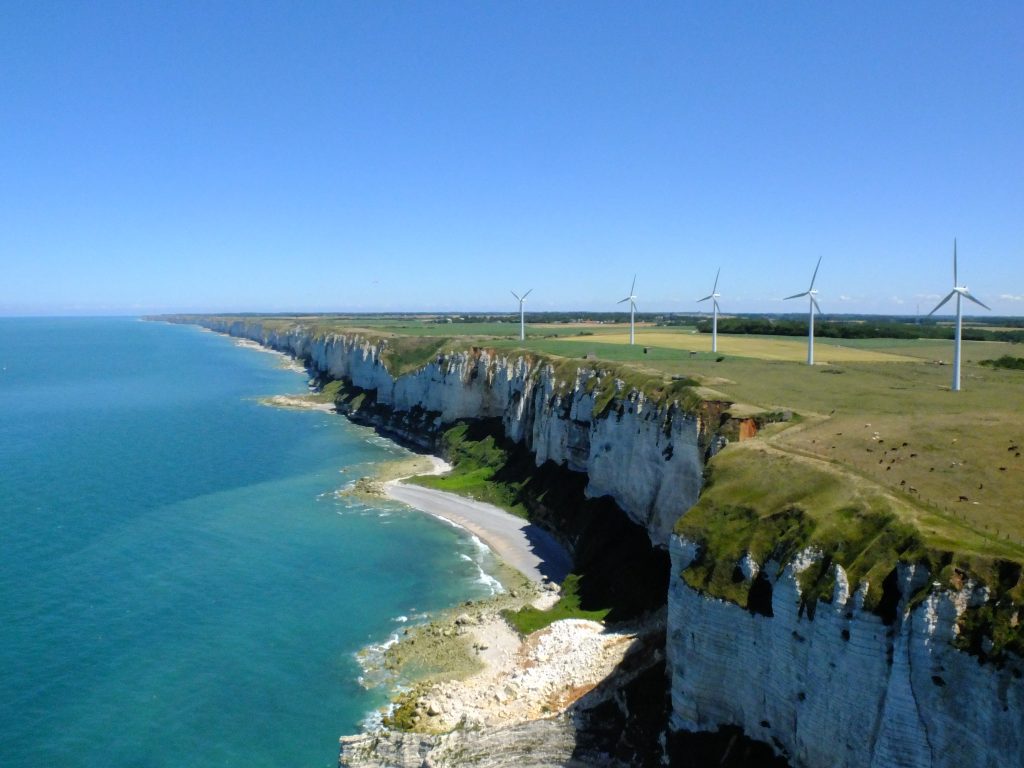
(784, 348)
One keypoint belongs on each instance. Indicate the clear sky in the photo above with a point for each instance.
(356, 156)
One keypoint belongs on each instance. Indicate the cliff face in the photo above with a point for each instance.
(843, 688)
(835, 686)
(649, 459)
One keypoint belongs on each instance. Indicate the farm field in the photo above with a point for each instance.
(788, 348)
(429, 327)
(857, 415)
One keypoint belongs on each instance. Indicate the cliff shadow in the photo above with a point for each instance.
(555, 562)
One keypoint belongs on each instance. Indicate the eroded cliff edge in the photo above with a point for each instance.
(893, 667)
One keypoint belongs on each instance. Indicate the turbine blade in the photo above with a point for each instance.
(715, 304)
(967, 295)
(954, 263)
(796, 296)
(632, 286)
(516, 295)
(938, 306)
(815, 303)
(633, 305)
(716, 280)
(815, 275)
(624, 300)
(528, 293)
(705, 298)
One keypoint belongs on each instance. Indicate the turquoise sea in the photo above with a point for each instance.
(180, 585)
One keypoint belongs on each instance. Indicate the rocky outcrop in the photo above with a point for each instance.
(540, 742)
(619, 724)
(841, 686)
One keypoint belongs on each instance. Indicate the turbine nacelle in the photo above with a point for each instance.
(958, 291)
(714, 296)
(522, 313)
(810, 293)
(714, 299)
(631, 298)
(521, 299)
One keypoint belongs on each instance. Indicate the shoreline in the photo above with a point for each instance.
(486, 674)
(516, 542)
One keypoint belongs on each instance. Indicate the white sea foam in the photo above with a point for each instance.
(484, 549)
(483, 577)
(371, 660)
(374, 721)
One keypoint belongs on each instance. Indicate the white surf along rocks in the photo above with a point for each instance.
(841, 688)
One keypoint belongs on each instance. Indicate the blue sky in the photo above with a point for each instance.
(431, 156)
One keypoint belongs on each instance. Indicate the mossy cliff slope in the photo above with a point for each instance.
(824, 616)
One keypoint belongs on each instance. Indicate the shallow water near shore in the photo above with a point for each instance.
(180, 584)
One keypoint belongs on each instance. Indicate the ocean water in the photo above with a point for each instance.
(179, 583)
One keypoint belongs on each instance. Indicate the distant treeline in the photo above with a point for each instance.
(853, 330)
(558, 317)
(1006, 361)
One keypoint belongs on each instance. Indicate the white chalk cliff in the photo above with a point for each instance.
(843, 688)
(840, 689)
(647, 458)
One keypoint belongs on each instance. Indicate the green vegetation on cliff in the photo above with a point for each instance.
(529, 619)
(771, 505)
(480, 468)
(617, 575)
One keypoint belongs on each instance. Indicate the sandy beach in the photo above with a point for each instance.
(526, 547)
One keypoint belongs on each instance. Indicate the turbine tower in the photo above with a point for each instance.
(960, 291)
(522, 320)
(714, 296)
(811, 293)
(632, 308)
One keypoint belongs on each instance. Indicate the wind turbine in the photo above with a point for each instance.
(632, 307)
(714, 296)
(522, 320)
(811, 293)
(960, 291)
